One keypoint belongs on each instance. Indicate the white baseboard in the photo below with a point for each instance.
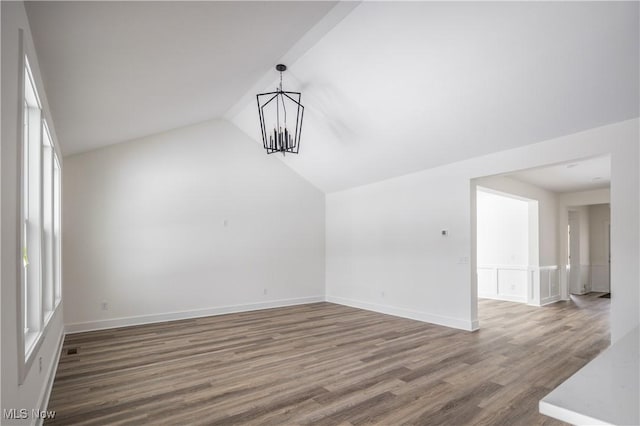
(407, 313)
(515, 299)
(549, 300)
(43, 401)
(172, 316)
(475, 325)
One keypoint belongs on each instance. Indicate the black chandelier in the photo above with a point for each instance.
(278, 134)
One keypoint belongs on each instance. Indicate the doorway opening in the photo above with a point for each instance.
(567, 235)
(588, 266)
(507, 246)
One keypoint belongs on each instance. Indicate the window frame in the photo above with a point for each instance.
(46, 231)
(57, 230)
(31, 213)
(33, 317)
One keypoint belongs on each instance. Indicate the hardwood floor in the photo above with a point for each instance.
(328, 364)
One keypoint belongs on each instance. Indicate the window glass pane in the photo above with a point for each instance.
(57, 273)
(25, 211)
(47, 223)
(32, 217)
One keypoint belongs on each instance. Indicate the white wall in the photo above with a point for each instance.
(195, 221)
(585, 267)
(32, 392)
(547, 211)
(585, 198)
(573, 269)
(502, 246)
(599, 220)
(584, 235)
(503, 225)
(385, 251)
(580, 268)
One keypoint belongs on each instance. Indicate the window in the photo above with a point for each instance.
(40, 220)
(47, 224)
(25, 212)
(31, 211)
(57, 225)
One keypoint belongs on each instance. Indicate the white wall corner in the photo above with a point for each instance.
(458, 323)
(549, 300)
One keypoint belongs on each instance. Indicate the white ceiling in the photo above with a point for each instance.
(402, 86)
(115, 71)
(393, 88)
(582, 175)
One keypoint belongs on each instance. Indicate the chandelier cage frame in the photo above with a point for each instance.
(282, 138)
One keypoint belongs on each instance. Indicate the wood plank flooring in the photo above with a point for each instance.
(327, 364)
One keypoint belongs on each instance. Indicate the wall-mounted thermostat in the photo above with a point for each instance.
(444, 232)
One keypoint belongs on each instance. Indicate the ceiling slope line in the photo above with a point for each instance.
(335, 15)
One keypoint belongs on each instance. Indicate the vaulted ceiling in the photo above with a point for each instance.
(399, 87)
(120, 70)
(391, 88)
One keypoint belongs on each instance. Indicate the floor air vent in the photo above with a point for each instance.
(72, 351)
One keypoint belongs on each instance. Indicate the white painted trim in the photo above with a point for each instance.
(496, 269)
(551, 278)
(407, 313)
(519, 267)
(534, 283)
(596, 269)
(172, 316)
(501, 297)
(475, 325)
(549, 300)
(547, 268)
(24, 364)
(509, 267)
(43, 400)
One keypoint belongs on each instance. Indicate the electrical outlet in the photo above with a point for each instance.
(104, 306)
(265, 291)
(382, 294)
(226, 223)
